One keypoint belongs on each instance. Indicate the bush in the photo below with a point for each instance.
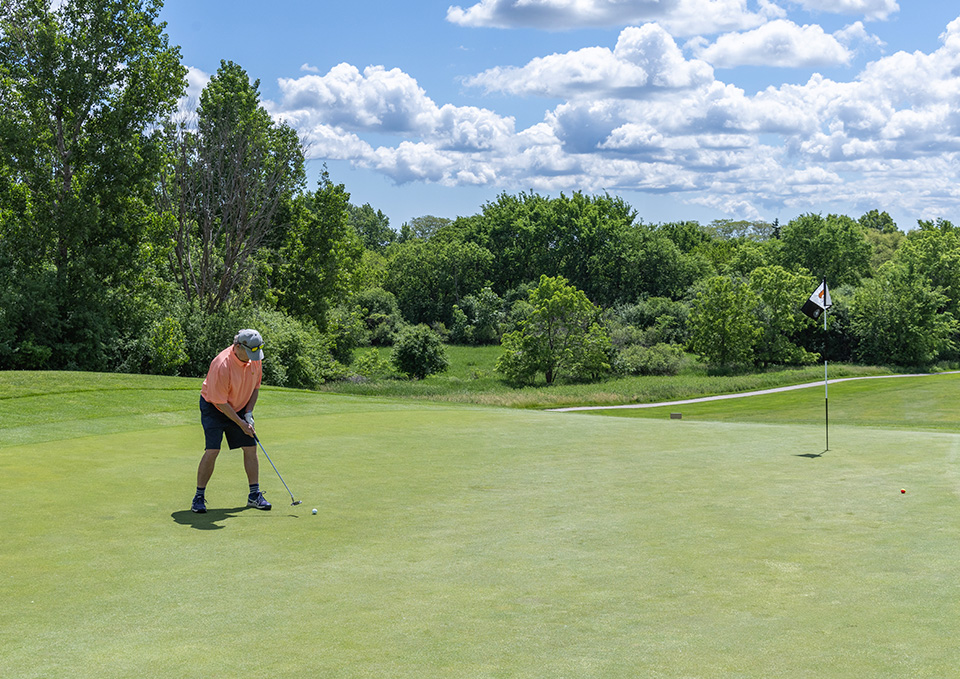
(296, 353)
(372, 365)
(660, 359)
(660, 319)
(419, 352)
(206, 335)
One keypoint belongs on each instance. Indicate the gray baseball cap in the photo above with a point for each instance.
(251, 342)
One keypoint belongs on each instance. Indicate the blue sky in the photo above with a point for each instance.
(688, 109)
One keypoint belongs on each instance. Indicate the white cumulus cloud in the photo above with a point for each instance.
(385, 101)
(680, 17)
(644, 59)
(641, 116)
(777, 43)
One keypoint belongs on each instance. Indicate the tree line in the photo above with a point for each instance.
(137, 238)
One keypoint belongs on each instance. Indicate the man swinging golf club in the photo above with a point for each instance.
(227, 398)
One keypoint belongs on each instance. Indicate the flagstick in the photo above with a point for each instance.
(826, 392)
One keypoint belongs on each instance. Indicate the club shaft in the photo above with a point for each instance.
(274, 468)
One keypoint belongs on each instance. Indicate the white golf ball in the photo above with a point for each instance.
(314, 511)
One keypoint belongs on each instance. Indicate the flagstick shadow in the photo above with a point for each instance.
(812, 456)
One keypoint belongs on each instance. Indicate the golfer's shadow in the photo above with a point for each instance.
(207, 520)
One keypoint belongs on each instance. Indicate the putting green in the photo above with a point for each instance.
(471, 542)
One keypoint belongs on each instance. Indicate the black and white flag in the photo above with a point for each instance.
(818, 303)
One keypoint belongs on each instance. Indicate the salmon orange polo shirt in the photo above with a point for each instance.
(230, 380)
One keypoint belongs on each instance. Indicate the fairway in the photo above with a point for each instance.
(463, 541)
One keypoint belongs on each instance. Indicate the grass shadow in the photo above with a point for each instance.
(207, 520)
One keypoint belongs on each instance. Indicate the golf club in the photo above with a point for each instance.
(293, 502)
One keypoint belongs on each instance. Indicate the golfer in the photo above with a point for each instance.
(227, 398)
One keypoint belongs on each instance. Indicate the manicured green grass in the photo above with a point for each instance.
(928, 402)
(463, 541)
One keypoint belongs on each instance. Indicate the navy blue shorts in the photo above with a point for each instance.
(216, 424)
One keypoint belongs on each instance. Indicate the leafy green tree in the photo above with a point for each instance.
(883, 236)
(687, 236)
(593, 242)
(372, 271)
(878, 221)
(168, 347)
(896, 318)
(478, 321)
(561, 337)
(372, 226)
(883, 246)
(419, 352)
(779, 294)
(429, 277)
(933, 251)
(320, 254)
(730, 229)
(346, 331)
(381, 315)
(745, 256)
(724, 327)
(833, 248)
(229, 182)
(422, 228)
(82, 87)
(654, 320)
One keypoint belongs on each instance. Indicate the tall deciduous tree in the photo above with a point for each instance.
(320, 253)
(897, 319)
(933, 251)
(81, 87)
(422, 228)
(430, 277)
(561, 337)
(779, 316)
(372, 226)
(724, 326)
(229, 179)
(831, 247)
(592, 241)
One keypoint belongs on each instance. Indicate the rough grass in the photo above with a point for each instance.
(471, 379)
(457, 541)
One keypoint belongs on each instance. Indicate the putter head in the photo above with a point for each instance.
(295, 503)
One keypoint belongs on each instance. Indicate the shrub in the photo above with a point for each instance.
(372, 365)
(296, 353)
(478, 319)
(419, 352)
(206, 335)
(660, 359)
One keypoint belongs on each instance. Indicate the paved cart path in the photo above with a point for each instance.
(744, 393)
